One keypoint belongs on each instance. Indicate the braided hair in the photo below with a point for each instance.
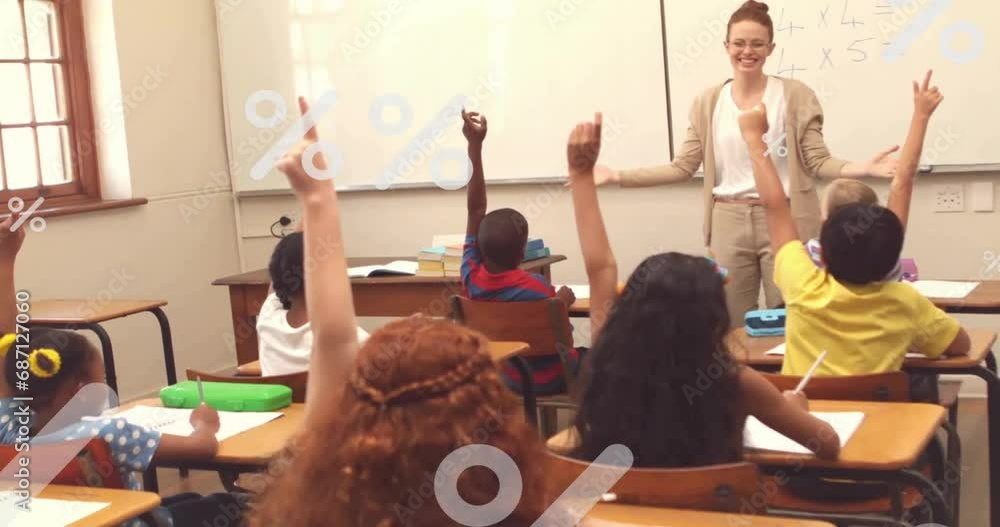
(420, 389)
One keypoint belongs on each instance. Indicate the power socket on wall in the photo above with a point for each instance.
(949, 198)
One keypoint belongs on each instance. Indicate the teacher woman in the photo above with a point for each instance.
(735, 228)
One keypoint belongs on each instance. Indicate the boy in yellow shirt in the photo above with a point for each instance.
(866, 325)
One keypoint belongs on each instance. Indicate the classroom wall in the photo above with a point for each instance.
(169, 121)
(640, 222)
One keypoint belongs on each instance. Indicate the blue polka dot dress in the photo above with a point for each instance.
(132, 446)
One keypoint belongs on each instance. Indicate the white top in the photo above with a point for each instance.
(284, 349)
(732, 159)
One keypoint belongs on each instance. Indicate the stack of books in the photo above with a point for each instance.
(536, 249)
(453, 260)
(430, 262)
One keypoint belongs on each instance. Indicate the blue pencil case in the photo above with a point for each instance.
(765, 323)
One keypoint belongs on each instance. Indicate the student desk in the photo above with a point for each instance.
(249, 451)
(388, 296)
(636, 515)
(980, 363)
(122, 504)
(88, 314)
(885, 446)
(983, 300)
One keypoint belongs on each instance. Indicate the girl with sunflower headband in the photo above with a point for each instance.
(59, 365)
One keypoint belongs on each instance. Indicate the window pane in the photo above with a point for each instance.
(40, 24)
(47, 89)
(52, 151)
(11, 36)
(19, 157)
(14, 104)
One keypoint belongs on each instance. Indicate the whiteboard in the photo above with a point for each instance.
(860, 56)
(399, 70)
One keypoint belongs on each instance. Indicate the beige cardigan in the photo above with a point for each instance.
(808, 156)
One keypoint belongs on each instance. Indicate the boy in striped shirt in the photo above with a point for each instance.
(494, 248)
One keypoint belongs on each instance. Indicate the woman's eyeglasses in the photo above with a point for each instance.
(755, 45)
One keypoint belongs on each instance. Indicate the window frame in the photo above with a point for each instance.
(84, 185)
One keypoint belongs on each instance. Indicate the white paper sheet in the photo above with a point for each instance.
(760, 436)
(176, 421)
(943, 289)
(780, 350)
(50, 513)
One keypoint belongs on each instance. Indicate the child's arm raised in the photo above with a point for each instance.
(780, 226)
(328, 289)
(10, 244)
(474, 130)
(925, 100)
(582, 150)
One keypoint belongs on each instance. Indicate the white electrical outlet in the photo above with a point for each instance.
(949, 198)
(982, 196)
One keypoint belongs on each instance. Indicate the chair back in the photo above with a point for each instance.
(731, 487)
(295, 381)
(886, 387)
(542, 324)
(93, 465)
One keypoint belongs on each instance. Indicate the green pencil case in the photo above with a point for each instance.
(228, 396)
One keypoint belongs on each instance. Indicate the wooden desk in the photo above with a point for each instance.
(373, 297)
(891, 437)
(636, 515)
(752, 351)
(122, 504)
(246, 452)
(983, 300)
(499, 351)
(979, 363)
(888, 442)
(78, 314)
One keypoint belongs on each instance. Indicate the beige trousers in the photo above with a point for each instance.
(741, 244)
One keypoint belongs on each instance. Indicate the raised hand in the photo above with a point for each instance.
(884, 164)
(474, 128)
(10, 242)
(926, 98)
(584, 147)
(753, 122)
(291, 163)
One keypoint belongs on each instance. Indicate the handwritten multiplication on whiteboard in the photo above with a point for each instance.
(859, 31)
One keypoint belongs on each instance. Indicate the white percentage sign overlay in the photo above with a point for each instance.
(293, 135)
(920, 24)
(777, 145)
(567, 511)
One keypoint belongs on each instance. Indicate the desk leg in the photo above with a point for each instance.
(168, 345)
(150, 483)
(546, 271)
(107, 352)
(993, 435)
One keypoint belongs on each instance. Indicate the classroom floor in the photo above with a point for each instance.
(971, 425)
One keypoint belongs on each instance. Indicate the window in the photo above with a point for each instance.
(46, 122)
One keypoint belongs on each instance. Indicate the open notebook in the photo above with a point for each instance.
(177, 421)
(394, 268)
(50, 513)
(780, 350)
(759, 436)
